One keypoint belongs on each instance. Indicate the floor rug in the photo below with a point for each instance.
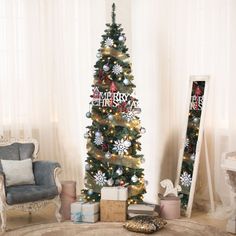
(173, 228)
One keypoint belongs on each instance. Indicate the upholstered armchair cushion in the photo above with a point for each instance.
(29, 193)
(10, 152)
(16, 151)
(26, 150)
(44, 172)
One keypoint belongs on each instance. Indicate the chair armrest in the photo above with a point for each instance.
(45, 172)
(2, 188)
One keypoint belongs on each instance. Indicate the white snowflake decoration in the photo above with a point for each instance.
(109, 42)
(98, 140)
(100, 178)
(120, 146)
(186, 179)
(117, 69)
(128, 116)
(186, 143)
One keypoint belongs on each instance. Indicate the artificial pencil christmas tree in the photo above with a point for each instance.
(113, 138)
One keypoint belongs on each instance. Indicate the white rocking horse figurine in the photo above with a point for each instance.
(170, 190)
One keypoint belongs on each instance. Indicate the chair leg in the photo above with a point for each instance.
(4, 220)
(57, 202)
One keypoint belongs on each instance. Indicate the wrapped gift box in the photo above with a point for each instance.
(170, 208)
(114, 193)
(85, 212)
(113, 211)
(143, 209)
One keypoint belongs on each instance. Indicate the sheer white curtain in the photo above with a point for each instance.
(177, 39)
(47, 50)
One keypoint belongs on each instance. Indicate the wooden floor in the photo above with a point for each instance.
(16, 219)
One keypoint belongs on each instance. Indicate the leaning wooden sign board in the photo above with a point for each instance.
(192, 139)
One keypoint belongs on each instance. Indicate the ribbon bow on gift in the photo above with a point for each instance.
(77, 217)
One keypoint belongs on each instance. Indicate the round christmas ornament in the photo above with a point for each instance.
(127, 143)
(192, 157)
(122, 183)
(110, 182)
(142, 130)
(87, 167)
(122, 38)
(98, 134)
(134, 178)
(119, 171)
(88, 114)
(108, 155)
(110, 117)
(126, 81)
(196, 120)
(106, 67)
(90, 192)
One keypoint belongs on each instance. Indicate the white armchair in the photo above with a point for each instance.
(228, 163)
(29, 197)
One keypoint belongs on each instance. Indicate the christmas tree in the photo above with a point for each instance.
(113, 138)
(195, 111)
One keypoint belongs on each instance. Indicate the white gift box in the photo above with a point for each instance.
(85, 212)
(114, 193)
(90, 218)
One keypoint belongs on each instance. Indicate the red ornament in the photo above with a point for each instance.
(198, 91)
(122, 183)
(105, 147)
(113, 87)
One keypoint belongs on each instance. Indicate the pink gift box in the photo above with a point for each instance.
(68, 196)
(170, 208)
